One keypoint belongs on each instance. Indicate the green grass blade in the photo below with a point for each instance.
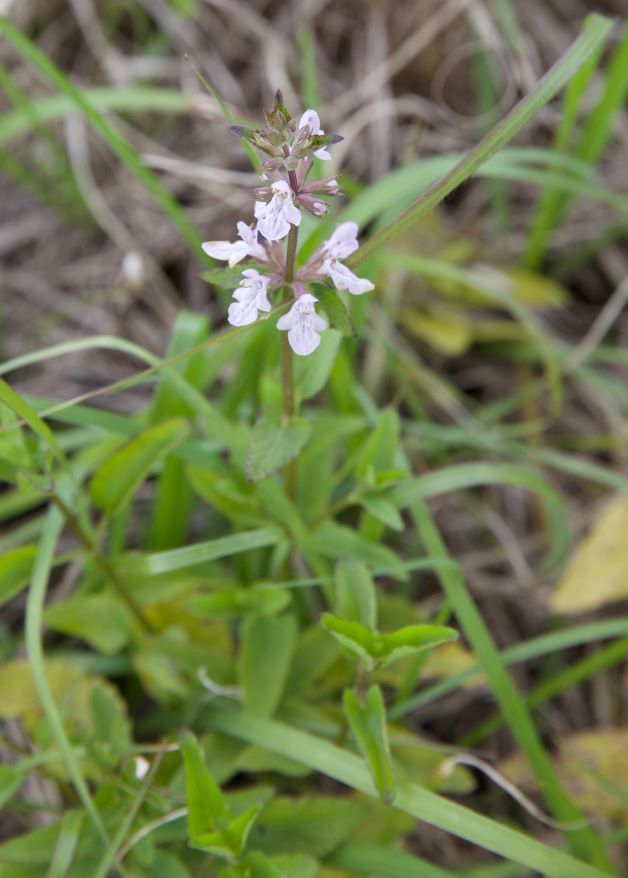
(530, 649)
(583, 842)
(362, 858)
(111, 136)
(34, 648)
(327, 758)
(594, 33)
(200, 553)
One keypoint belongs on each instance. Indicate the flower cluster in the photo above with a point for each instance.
(290, 148)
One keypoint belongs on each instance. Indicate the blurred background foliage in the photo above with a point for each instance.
(496, 338)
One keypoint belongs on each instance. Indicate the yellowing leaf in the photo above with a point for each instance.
(535, 290)
(450, 332)
(598, 572)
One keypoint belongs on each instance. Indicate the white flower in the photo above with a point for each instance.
(311, 119)
(250, 297)
(303, 325)
(238, 250)
(276, 217)
(343, 243)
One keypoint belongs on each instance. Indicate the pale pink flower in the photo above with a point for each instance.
(342, 243)
(313, 122)
(303, 325)
(238, 250)
(250, 297)
(275, 217)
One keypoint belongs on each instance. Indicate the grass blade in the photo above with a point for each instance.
(594, 33)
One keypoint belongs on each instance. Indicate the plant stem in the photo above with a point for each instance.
(105, 567)
(287, 375)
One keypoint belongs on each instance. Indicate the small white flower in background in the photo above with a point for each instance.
(133, 270)
(275, 217)
(343, 243)
(250, 297)
(141, 767)
(303, 325)
(313, 122)
(238, 250)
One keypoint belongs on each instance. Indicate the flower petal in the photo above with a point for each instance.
(230, 252)
(242, 313)
(344, 278)
(344, 241)
(312, 120)
(303, 338)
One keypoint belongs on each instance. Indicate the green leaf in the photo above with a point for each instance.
(368, 723)
(380, 650)
(356, 600)
(267, 647)
(337, 541)
(422, 804)
(273, 444)
(414, 638)
(115, 482)
(11, 777)
(229, 278)
(312, 373)
(383, 510)
(100, 619)
(207, 808)
(16, 567)
(234, 603)
(336, 311)
(230, 841)
(313, 825)
(356, 637)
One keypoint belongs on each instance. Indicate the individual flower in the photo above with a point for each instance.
(250, 297)
(275, 217)
(343, 243)
(313, 122)
(303, 325)
(238, 250)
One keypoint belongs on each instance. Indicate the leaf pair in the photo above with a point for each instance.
(379, 650)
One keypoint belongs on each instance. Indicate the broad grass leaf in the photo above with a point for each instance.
(15, 571)
(598, 571)
(273, 444)
(314, 826)
(356, 600)
(115, 482)
(267, 647)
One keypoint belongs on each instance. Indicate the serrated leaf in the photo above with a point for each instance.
(356, 600)
(15, 571)
(336, 311)
(273, 444)
(598, 571)
(115, 482)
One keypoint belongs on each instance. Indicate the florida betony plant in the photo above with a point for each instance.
(290, 148)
